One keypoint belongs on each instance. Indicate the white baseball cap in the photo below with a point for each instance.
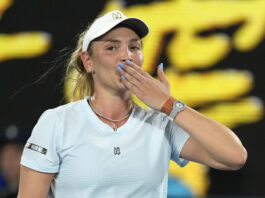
(108, 21)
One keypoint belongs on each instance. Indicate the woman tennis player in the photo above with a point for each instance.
(102, 144)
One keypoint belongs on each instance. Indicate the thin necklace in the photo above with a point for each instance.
(114, 126)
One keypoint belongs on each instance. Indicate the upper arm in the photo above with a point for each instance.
(193, 151)
(34, 184)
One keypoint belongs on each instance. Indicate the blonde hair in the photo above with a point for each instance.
(79, 82)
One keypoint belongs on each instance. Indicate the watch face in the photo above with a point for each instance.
(179, 105)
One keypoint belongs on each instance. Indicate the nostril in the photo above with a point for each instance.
(124, 60)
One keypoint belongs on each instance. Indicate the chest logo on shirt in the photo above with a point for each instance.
(36, 148)
(117, 151)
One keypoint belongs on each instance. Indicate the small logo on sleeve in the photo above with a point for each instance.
(117, 151)
(36, 148)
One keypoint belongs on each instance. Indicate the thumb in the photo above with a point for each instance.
(161, 75)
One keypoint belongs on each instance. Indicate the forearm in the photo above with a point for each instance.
(220, 143)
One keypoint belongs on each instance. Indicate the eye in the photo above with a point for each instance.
(111, 48)
(134, 47)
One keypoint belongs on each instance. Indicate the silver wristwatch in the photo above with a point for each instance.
(177, 107)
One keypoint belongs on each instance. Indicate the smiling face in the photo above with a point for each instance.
(118, 45)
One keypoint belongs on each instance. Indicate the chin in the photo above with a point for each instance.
(121, 87)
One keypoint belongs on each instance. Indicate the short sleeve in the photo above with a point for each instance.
(177, 139)
(41, 150)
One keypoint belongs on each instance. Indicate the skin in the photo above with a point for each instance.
(9, 162)
(210, 142)
(112, 98)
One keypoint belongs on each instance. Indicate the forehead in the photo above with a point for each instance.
(120, 33)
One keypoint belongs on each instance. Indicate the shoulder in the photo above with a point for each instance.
(66, 110)
(156, 119)
(150, 115)
(54, 121)
(142, 112)
(70, 106)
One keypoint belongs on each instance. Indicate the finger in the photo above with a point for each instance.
(137, 68)
(161, 75)
(127, 76)
(132, 69)
(129, 85)
(133, 73)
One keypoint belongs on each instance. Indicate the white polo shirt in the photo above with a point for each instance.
(93, 160)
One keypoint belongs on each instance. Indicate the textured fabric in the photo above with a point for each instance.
(92, 160)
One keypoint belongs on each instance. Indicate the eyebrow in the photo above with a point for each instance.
(118, 41)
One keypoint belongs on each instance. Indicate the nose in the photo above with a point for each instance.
(126, 55)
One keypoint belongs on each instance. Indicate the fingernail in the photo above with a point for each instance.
(123, 78)
(161, 66)
(120, 64)
(128, 62)
(120, 69)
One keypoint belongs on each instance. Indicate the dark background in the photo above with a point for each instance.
(63, 20)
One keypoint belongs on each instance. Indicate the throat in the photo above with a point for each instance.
(114, 123)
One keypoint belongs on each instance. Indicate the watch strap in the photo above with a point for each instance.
(168, 106)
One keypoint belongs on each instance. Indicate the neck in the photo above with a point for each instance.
(112, 106)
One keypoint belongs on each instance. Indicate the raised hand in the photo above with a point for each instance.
(152, 92)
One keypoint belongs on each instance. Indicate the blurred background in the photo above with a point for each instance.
(213, 54)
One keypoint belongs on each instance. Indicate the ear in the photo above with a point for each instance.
(87, 62)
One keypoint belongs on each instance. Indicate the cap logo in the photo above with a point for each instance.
(116, 15)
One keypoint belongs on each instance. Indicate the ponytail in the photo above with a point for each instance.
(78, 83)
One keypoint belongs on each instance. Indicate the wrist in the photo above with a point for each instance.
(168, 105)
(172, 107)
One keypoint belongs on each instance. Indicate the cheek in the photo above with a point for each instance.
(139, 59)
(102, 60)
